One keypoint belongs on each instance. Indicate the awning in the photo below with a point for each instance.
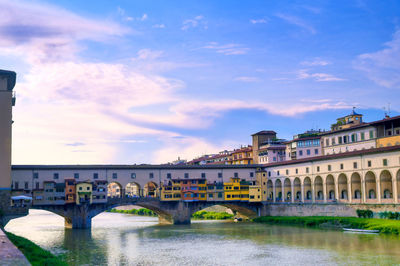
(21, 197)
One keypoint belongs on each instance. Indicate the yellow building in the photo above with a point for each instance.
(388, 141)
(171, 191)
(202, 184)
(243, 155)
(255, 192)
(236, 190)
(84, 192)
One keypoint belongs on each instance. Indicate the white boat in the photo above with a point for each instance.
(360, 230)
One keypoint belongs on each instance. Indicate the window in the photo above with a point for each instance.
(369, 163)
(203, 175)
(76, 175)
(278, 172)
(251, 174)
(333, 141)
(114, 175)
(16, 185)
(287, 172)
(35, 175)
(236, 175)
(300, 153)
(87, 188)
(371, 134)
(329, 168)
(95, 176)
(307, 169)
(269, 173)
(385, 162)
(219, 175)
(355, 165)
(353, 138)
(80, 188)
(274, 159)
(362, 136)
(37, 185)
(26, 185)
(341, 166)
(133, 175)
(186, 175)
(308, 152)
(297, 171)
(151, 175)
(55, 175)
(327, 142)
(345, 139)
(168, 175)
(317, 168)
(316, 151)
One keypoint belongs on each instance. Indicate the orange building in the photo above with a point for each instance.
(70, 190)
(243, 155)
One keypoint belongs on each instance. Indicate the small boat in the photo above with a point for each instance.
(361, 231)
(237, 219)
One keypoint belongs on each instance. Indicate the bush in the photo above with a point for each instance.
(390, 215)
(365, 213)
(204, 215)
(141, 212)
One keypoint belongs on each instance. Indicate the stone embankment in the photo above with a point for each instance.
(10, 255)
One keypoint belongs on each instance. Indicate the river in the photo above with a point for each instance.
(121, 239)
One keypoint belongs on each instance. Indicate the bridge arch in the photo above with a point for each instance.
(115, 190)
(330, 188)
(239, 209)
(133, 189)
(150, 189)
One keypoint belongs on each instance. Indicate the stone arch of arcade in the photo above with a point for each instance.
(347, 187)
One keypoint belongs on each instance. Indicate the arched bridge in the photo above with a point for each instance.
(169, 212)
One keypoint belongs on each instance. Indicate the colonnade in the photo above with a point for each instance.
(350, 187)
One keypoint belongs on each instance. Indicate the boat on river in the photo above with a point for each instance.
(361, 231)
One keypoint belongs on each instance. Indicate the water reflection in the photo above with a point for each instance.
(118, 239)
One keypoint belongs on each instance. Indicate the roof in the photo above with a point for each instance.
(335, 156)
(373, 123)
(131, 167)
(265, 132)
(11, 78)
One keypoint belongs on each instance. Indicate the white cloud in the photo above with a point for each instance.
(316, 62)
(304, 74)
(227, 49)
(258, 21)
(297, 22)
(194, 23)
(148, 54)
(159, 26)
(247, 79)
(46, 33)
(383, 66)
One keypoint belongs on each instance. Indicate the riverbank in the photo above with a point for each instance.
(200, 215)
(35, 254)
(383, 225)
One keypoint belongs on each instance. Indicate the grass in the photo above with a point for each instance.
(35, 254)
(141, 212)
(383, 225)
(204, 215)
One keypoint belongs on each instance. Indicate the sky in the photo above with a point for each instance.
(131, 82)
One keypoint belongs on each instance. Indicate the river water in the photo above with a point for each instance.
(121, 239)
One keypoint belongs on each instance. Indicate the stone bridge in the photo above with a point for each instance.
(169, 212)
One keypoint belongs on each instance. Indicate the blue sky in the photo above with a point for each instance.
(148, 81)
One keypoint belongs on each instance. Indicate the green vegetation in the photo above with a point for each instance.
(141, 212)
(390, 215)
(365, 213)
(383, 225)
(35, 254)
(204, 215)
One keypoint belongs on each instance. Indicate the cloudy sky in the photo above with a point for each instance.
(148, 81)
